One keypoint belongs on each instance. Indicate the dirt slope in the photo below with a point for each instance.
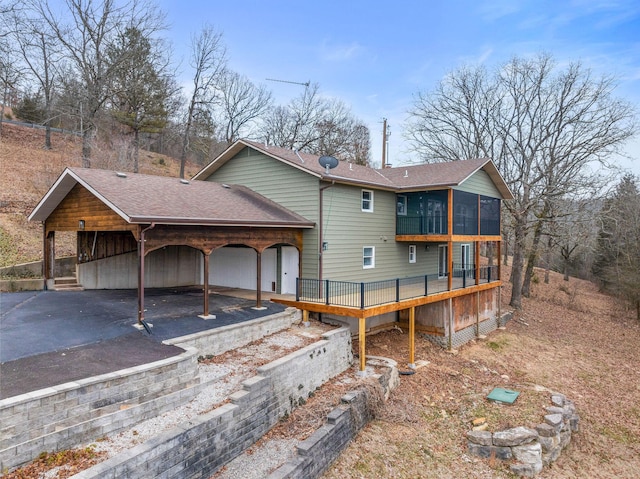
(28, 170)
(568, 338)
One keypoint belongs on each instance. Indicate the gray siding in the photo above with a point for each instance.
(292, 188)
(480, 183)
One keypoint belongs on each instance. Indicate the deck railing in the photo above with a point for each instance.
(373, 293)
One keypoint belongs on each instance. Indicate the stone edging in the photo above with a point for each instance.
(531, 448)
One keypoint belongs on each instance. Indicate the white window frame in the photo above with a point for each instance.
(369, 201)
(412, 253)
(371, 257)
(401, 208)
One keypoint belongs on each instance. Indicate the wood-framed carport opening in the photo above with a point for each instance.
(203, 238)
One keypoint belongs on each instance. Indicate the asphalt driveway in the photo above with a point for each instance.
(51, 337)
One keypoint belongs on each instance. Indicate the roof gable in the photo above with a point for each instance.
(415, 177)
(142, 199)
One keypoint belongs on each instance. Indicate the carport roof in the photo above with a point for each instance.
(144, 199)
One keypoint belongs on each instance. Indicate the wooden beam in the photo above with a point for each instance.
(412, 337)
(258, 280)
(205, 288)
(385, 308)
(362, 335)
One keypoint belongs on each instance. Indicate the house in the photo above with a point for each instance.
(414, 246)
(419, 245)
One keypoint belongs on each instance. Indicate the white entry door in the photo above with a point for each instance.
(289, 269)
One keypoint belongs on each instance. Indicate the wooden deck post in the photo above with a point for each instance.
(412, 337)
(362, 333)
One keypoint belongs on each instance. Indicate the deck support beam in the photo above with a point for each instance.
(412, 337)
(362, 334)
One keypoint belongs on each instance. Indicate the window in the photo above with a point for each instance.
(367, 200)
(368, 257)
(412, 253)
(402, 205)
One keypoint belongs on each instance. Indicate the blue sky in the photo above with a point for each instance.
(375, 56)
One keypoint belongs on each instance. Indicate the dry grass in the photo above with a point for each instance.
(567, 338)
(28, 171)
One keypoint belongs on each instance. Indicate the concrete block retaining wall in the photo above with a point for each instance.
(220, 340)
(201, 446)
(318, 451)
(532, 449)
(63, 416)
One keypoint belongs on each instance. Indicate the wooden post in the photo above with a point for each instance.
(450, 339)
(412, 337)
(477, 261)
(259, 280)
(362, 340)
(477, 314)
(49, 257)
(449, 242)
(205, 286)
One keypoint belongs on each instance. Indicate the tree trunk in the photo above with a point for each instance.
(547, 261)
(87, 138)
(505, 254)
(565, 269)
(519, 234)
(531, 260)
(136, 150)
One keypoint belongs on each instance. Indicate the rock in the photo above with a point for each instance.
(481, 427)
(549, 443)
(558, 399)
(480, 437)
(528, 454)
(565, 439)
(514, 437)
(486, 452)
(554, 420)
(479, 421)
(546, 430)
(574, 422)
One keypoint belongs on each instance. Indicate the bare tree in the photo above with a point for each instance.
(543, 129)
(39, 52)
(241, 104)
(208, 61)
(85, 31)
(318, 125)
(617, 264)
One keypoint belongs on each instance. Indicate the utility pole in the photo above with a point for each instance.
(385, 143)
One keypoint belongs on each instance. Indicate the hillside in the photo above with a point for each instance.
(28, 171)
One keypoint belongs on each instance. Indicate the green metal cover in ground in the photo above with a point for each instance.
(506, 396)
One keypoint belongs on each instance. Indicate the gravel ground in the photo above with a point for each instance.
(222, 379)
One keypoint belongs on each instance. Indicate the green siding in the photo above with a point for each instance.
(292, 188)
(347, 230)
(480, 183)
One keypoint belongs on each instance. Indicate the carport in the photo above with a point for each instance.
(116, 213)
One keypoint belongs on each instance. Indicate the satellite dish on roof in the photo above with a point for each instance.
(328, 162)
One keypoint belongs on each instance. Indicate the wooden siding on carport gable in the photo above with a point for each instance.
(284, 184)
(81, 204)
(347, 229)
(480, 183)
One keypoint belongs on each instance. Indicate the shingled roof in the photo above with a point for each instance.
(143, 199)
(405, 178)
